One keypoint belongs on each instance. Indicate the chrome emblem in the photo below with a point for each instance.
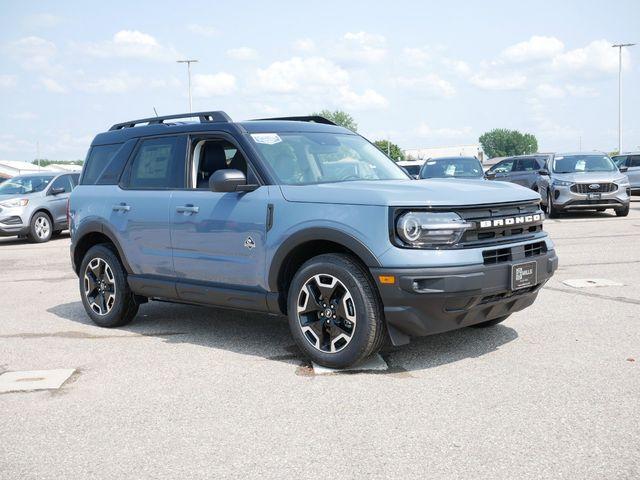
(249, 243)
(594, 186)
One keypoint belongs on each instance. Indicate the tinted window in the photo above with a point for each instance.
(62, 182)
(26, 184)
(159, 163)
(412, 169)
(526, 165)
(98, 158)
(503, 167)
(619, 160)
(75, 179)
(634, 161)
(454, 167)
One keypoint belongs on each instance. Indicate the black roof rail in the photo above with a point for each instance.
(204, 117)
(308, 118)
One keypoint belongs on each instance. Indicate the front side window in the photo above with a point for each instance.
(455, 167)
(300, 158)
(527, 165)
(63, 182)
(25, 184)
(159, 163)
(582, 164)
(634, 161)
(503, 167)
(619, 160)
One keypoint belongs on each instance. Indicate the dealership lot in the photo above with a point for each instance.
(202, 393)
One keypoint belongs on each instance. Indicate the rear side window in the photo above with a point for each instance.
(159, 163)
(98, 158)
(634, 161)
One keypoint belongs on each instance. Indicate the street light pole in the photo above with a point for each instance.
(620, 46)
(188, 62)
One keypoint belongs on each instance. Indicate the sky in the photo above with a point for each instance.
(422, 73)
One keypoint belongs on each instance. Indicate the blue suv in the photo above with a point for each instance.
(297, 216)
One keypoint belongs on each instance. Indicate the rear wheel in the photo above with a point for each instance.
(491, 323)
(105, 293)
(622, 212)
(335, 314)
(41, 228)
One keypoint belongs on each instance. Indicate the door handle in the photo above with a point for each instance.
(187, 209)
(123, 207)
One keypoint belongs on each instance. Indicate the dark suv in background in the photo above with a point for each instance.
(630, 161)
(523, 170)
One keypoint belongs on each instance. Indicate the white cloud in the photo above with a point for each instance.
(8, 81)
(210, 85)
(242, 53)
(33, 53)
(361, 47)
(118, 83)
(301, 73)
(512, 81)
(546, 90)
(536, 48)
(596, 57)
(304, 45)
(24, 116)
(52, 85)
(581, 91)
(202, 30)
(457, 66)
(430, 83)
(131, 44)
(43, 20)
(368, 100)
(424, 130)
(416, 56)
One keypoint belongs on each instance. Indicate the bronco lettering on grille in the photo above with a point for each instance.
(505, 222)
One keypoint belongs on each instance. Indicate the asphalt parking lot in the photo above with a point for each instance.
(190, 392)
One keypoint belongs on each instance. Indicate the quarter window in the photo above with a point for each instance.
(159, 163)
(98, 158)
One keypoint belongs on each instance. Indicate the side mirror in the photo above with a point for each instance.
(624, 169)
(57, 191)
(490, 175)
(229, 180)
(543, 171)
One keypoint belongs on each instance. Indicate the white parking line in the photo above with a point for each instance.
(374, 362)
(34, 380)
(591, 282)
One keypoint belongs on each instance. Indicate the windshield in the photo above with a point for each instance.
(27, 184)
(302, 158)
(454, 167)
(582, 164)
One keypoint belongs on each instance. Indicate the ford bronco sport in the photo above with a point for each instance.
(299, 217)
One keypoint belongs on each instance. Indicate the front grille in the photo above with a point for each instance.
(506, 295)
(585, 188)
(482, 236)
(518, 252)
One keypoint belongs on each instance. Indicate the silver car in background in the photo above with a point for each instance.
(35, 205)
(630, 161)
(583, 181)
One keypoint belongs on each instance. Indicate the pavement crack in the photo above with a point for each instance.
(632, 301)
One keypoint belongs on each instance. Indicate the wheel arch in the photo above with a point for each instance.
(306, 244)
(93, 233)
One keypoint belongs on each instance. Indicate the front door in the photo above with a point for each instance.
(57, 197)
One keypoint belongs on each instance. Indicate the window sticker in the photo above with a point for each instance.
(266, 138)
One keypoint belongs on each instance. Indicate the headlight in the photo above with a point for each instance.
(561, 183)
(623, 182)
(429, 229)
(17, 202)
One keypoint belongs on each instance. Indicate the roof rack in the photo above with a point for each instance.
(308, 118)
(204, 117)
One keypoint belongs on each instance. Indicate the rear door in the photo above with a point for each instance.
(139, 212)
(57, 197)
(525, 172)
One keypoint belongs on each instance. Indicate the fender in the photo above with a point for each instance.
(317, 233)
(98, 226)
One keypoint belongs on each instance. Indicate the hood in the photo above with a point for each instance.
(11, 196)
(436, 192)
(590, 177)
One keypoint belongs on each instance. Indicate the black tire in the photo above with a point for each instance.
(552, 211)
(123, 307)
(354, 294)
(623, 212)
(40, 228)
(490, 323)
(57, 233)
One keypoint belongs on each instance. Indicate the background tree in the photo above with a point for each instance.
(44, 162)
(501, 142)
(395, 152)
(339, 117)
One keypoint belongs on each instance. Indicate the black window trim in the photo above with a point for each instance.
(56, 178)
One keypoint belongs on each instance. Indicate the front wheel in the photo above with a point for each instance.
(105, 293)
(335, 314)
(622, 212)
(41, 228)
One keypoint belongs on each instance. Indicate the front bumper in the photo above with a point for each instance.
(564, 198)
(425, 301)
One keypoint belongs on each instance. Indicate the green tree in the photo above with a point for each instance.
(339, 117)
(501, 142)
(44, 162)
(395, 152)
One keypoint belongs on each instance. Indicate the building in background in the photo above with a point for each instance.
(423, 154)
(12, 168)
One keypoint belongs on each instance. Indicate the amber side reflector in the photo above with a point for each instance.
(387, 279)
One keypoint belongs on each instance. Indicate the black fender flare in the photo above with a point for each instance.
(317, 233)
(97, 226)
